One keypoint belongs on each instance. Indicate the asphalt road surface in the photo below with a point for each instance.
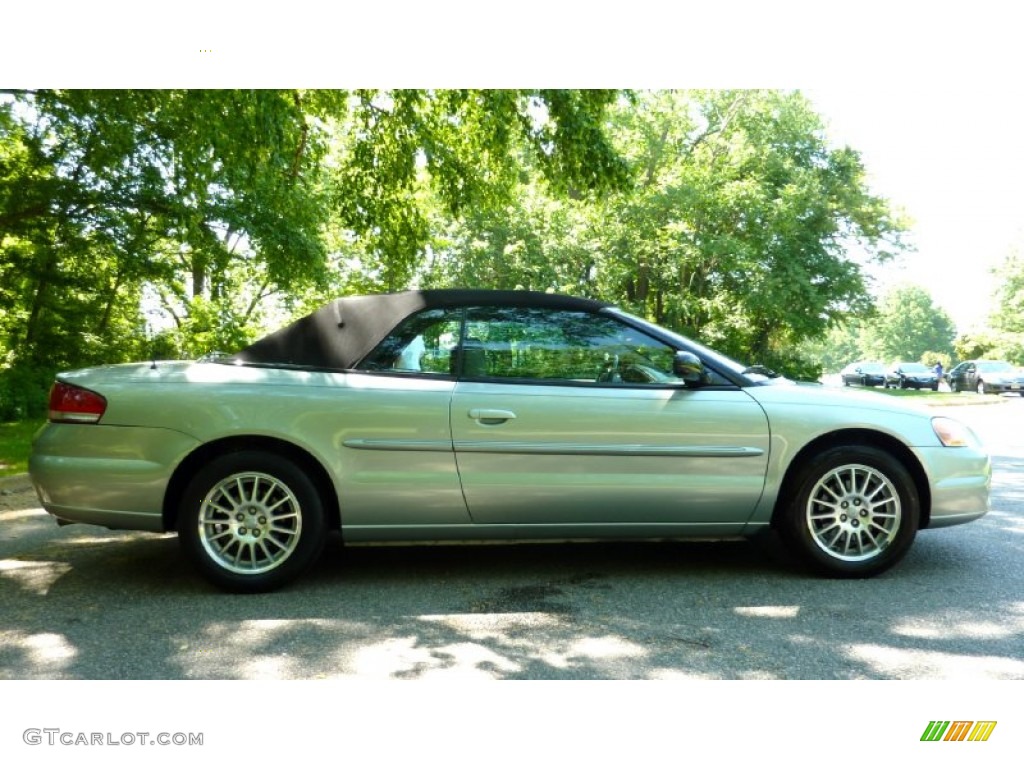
(85, 603)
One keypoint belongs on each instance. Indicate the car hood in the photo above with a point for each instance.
(818, 409)
(820, 396)
(811, 410)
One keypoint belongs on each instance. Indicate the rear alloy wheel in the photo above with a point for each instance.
(855, 512)
(251, 521)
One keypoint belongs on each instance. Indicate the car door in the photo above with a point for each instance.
(571, 418)
(966, 376)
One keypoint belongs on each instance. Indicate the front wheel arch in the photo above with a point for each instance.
(853, 438)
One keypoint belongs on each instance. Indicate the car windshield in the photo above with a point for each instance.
(915, 368)
(865, 368)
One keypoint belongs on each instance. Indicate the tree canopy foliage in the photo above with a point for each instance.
(905, 325)
(174, 222)
(735, 228)
(1003, 337)
(908, 327)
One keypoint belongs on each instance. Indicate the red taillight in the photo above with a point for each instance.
(75, 405)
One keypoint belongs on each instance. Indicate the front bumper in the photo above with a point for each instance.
(959, 479)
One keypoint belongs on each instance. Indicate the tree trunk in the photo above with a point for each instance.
(198, 275)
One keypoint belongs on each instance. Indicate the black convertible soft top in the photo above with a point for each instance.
(343, 332)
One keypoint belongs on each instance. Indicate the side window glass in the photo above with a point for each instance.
(422, 343)
(554, 346)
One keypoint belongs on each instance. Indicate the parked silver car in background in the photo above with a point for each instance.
(477, 415)
(986, 377)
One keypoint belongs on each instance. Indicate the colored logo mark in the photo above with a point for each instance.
(959, 730)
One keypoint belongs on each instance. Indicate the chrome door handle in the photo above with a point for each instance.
(491, 415)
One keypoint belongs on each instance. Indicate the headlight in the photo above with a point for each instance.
(953, 434)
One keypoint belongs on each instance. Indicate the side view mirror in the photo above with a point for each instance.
(688, 367)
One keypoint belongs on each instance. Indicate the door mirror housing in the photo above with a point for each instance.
(688, 367)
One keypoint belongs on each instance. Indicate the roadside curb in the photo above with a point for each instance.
(966, 402)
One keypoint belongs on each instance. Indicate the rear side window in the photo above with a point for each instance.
(422, 343)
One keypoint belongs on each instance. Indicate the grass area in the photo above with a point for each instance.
(15, 440)
(942, 398)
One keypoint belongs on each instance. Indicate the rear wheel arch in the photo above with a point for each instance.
(854, 438)
(202, 455)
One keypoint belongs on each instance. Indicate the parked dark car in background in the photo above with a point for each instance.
(911, 376)
(986, 377)
(864, 373)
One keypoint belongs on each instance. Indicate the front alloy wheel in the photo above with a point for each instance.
(251, 521)
(855, 513)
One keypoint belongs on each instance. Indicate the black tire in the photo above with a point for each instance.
(251, 521)
(854, 513)
(980, 388)
(953, 387)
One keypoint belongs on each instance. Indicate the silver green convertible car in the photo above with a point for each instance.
(443, 416)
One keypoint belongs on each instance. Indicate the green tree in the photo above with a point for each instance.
(837, 348)
(735, 229)
(908, 325)
(1007, 318)
(740, 229)
(214, 201)
(1003, 338)
(1008, 310)
(114, 189)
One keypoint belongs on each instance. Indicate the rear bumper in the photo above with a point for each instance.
(106, 475)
